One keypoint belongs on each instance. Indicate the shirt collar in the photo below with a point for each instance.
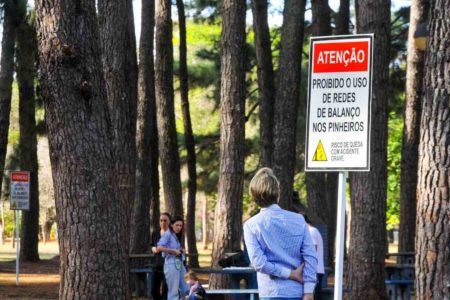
(272, 206)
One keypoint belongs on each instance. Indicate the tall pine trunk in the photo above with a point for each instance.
(146, 205)
(10, 19)
(433, 217)
(343, 18)
(368, 189)
(25, 69)
(411, 129)
(115, 18)
(188, 140)
(92, 237)
(266, 81)
(322, 187)
(228, 214)
(167, 132)
(287, 98)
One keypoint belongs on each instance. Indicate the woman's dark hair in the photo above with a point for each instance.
(173, 221)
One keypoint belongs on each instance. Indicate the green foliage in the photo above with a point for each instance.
(395, 127)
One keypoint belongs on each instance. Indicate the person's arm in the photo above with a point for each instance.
(163, 245)
(259, 260)
(308, 253)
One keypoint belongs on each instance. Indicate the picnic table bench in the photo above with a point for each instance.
(402, 257)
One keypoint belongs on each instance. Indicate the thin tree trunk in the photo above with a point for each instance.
(411, 129)
(321, 19)
(205, 223)
(115, 18)
(433, 217)
(188, 140)
(25, 69)
(322, 187)
(368, 190)
(228, 214)
(146, 205)
(92, 236)
(167, 133)
(6, 76)
(287, 98)
(266, 81)
(343, 18)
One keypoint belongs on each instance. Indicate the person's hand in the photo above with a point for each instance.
(154, 250)
(308, 296)
(297, 275)
(176, 252)
(302, 266)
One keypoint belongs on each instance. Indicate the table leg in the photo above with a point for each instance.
(149, 284)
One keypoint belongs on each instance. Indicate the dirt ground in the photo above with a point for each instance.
(38, 280)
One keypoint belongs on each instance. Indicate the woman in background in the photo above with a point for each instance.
(159, 290)
(173, 254)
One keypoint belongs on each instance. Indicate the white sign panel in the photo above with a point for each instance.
(20, 190)
(339, 92)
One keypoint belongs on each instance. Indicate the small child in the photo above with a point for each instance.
(196, 291)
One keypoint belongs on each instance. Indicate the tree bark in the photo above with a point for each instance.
(146, 206)
(115, 18)
(92, 234)
(205, 223)
(321, 19)
(368, 190)
(287, 98)
(343, 18)
(6, 76)
(322, 187)
(411, 129)
(228, 214)
(167, 133)
(266, 81)
(188, 140)
(25, 69)
(433, 230)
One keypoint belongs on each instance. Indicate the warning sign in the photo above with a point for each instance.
(319, 155)
(339, 92)
(20, 190)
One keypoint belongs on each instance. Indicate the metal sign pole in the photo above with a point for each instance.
(340, 237)
(17, 247)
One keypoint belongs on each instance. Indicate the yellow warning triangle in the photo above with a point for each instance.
(319, 155)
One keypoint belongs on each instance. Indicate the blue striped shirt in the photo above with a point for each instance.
(169, 240)
(278, 242)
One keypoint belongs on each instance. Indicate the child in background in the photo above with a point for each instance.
(196, 291)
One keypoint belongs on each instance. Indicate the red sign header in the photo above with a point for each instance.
(20, 176)
(337, 57)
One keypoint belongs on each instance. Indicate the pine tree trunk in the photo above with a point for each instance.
(115, 18)
(92, 235)
(433, 218)
(322, 187)
(146, 215)
(266, 81)
(343, 18)
(228, 213)
(188, 140)
(6, 76)
(205, 223)
(368, 190)
(411, 129)
(25, 69)
(167, 133)
(321, 19)
(287, 98)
